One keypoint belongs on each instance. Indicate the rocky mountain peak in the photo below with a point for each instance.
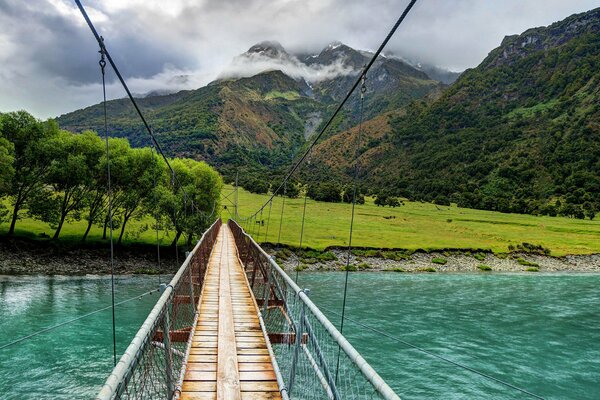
(515, 47)
(268, 48)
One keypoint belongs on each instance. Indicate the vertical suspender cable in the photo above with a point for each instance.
(260, 222)
(282, 207)
(102, 63)
(154, 168)
(175, 218)
(268, 220)
(363, 89)
(301, 236)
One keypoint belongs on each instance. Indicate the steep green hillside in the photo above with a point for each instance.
(519, 133)
(258, 122)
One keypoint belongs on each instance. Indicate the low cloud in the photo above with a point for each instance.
(246, 65)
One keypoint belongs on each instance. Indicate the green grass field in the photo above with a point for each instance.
(139, 232)
(412, 226)
(416, 226)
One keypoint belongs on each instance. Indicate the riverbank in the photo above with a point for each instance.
(24, 257)
(435, 261)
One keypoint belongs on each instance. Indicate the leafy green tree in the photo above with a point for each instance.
(134, 184)
(31, 155)
(327, 191)
(95, 202)
(349, 193)
(69, 178)
(7, 170)
(197, 184)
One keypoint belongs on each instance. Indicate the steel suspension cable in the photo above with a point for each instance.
(149, 129)
(345, 100)
(102, 64)
(429, 353)
(363, 90)
(50, 328)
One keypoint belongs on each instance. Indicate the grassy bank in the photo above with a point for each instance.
(419, 226)
(411, 226)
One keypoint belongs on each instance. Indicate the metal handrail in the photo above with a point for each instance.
(367, 371)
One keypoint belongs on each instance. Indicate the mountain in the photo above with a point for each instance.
(518, 133)
(262, 107)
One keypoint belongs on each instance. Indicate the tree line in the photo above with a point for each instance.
(56, 176)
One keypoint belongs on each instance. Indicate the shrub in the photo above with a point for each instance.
(399, 269)
(327, 256)
(292, 190)
(349, 192)
(330, 192)
(533, 269)
(526, 263)
(484, 267)
(363, 266)
(395, 255)
(383, 200)
(283, 254)
(318, 256)
(439, 260)
(349, 268)
(479, 256)
(428, 269)
(301, 267)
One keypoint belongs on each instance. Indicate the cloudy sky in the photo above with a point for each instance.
(49, 59)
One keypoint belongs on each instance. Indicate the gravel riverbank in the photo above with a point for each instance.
(453, 261)
(31, 258)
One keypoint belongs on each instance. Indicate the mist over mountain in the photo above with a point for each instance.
(263, 106)
(518, 133)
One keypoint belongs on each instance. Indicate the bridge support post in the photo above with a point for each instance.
(299, 333)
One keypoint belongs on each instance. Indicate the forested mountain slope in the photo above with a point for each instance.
(520, 132)
(259, 121)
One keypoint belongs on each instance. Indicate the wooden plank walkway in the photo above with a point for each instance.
(229, 358)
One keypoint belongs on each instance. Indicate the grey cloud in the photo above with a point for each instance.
(49, 58)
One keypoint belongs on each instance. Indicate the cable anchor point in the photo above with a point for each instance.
(102, 52)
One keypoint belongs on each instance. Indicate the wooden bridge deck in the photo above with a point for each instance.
(229, 358)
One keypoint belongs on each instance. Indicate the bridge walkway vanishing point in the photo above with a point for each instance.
(229, 358)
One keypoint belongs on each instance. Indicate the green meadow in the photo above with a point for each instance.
(413, 226)
(137, 232)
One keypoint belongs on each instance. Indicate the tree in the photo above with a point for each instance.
(30, 153)
(330, 192)
(381, 200)
(197, 184)
(134, 184)
(95, 202)
(349, 193)
(7, 170)
(69, 179)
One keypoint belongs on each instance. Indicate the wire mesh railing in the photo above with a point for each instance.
(314, 358)
(153, 365)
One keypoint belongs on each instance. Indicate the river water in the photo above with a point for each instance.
(538, 332)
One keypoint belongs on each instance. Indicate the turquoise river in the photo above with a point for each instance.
(536, 331)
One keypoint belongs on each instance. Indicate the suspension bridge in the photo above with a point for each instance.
(231, 324)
